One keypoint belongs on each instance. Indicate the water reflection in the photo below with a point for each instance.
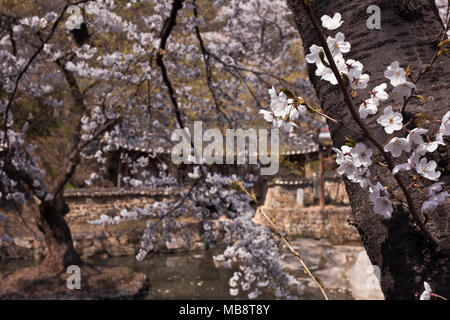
(191, 276)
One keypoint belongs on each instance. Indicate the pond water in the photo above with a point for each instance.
(190, 275)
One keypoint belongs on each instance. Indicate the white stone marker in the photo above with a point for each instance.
(300, 195)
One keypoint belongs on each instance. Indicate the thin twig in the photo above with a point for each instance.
(295, 253)
(286, 241)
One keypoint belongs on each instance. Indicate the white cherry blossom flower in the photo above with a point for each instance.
(415, 136)
(435, 188)
(427, 147)
(348, 168)
(327, 74)
(426, 294)
(277, 123)
(436, 198)
(397, 145)
(332, 23)
(379, 92)
(427, 169)
(383, 206)
(369, 106)
(404, 166)
(395, 74)
(361, 155)
(363, 177)
(268, 115)
(234, 291)
(338, 44)
(297, 111)
(280, 105)
(358, 83)
(405, 89)
(313, 56)
(354, 68)
(342, 154)
(429, 206)
(390, 120)
(444, 129)
(288, 126)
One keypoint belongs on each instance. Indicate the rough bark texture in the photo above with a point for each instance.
(408, 35)
(61, 252)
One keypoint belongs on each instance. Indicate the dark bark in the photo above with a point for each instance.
(408, 35)
(58, 239)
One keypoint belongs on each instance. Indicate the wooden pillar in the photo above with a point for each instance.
(119, 172)
(321, 179)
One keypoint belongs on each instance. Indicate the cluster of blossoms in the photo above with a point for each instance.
(252, 249)
(110, 83)
(283, 111)
(338, 46)
(354, 161)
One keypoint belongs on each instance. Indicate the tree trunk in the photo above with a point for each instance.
(61, 252)
(407, 35)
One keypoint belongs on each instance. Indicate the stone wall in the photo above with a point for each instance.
(283, 193)
(330, 223)
(124, 239)
(89, 204)
(307, 220)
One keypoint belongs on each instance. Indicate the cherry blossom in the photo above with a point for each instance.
(405, 89)
(426, 294)
(415, 136)
(353, 161)
(348, 168)
(327, 74)
(390, 120)
(355, 68)
(269, 116)
(332, 23)
(361, 155)
(314, 55)
(427, 169)
(395, 74)
(444, 129)
(360, 82)
(436, 198)
(342, 154)
(397, 146)
(427, 147)
(383, 206)
(379, 92)
(369, 106)
(338, 44)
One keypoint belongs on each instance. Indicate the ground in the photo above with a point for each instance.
(98, 282)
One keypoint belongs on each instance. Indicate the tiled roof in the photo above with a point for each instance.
(303, 180)
(289, 145)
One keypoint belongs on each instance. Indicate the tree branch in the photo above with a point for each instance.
(169, 24)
